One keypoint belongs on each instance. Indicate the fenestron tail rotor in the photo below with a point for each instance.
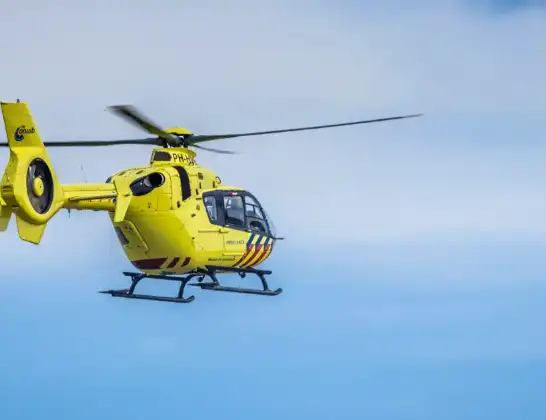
(183, 138)
(40, 186)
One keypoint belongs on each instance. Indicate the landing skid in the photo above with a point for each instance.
(211, 272)
(215, 285)
(137, 277)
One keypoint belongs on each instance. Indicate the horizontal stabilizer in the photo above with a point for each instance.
(5, 215)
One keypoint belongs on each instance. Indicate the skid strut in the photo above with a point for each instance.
(213, 284)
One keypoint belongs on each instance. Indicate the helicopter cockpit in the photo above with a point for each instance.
(238, 210)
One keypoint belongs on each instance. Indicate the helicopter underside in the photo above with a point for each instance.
(150, 245)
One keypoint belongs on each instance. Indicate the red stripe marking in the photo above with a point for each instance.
(255, 256)
(150, 264)
(248, 251)
(263, 256)
(173, 262)
(252, 254)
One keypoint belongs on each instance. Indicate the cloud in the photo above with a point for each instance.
(472, 167)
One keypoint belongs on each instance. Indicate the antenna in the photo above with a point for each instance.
(83, 173)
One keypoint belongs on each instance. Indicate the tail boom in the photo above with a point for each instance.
(89, 197)
(99, 197)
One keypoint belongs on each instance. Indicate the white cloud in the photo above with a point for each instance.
(472, 167)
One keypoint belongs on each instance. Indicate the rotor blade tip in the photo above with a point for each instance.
(118, 107)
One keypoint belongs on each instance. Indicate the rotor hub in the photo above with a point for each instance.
(38, 186)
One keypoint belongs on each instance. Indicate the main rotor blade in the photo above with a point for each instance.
(200, 138)
(155, 141)
(97, 143)
(130, 113)
(210, 149)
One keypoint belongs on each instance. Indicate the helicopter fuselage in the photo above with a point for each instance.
(181, 217)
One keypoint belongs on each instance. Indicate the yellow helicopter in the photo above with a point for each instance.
(174, 219)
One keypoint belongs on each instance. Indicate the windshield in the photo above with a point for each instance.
(272, 228)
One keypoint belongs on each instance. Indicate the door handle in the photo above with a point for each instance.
(223, 230)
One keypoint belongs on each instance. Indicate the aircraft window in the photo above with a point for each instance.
(235, 214)
(253, 211)
(251, 201)
(256, 225)
(212, 210)
(272, 228)
(255, 218)
(252, 208)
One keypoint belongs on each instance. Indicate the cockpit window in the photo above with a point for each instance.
(252, 208)
(272, 228)
(237, 210)
(212, 210)
(254, 215)
(234, 208)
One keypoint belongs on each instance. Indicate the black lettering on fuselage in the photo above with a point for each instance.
(183, 158)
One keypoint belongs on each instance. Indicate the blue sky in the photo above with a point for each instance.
(514, 5)
(413, 268)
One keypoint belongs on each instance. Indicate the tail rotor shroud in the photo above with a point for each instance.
(40, 186)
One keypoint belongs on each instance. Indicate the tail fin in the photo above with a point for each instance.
(29, 188)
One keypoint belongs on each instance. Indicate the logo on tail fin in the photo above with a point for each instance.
(21, 131)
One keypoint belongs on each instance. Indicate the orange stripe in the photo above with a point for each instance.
(252, 253)
(257, 254)
(262, 249)
(265, 254)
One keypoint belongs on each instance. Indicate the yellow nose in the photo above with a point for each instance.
(38, 187)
